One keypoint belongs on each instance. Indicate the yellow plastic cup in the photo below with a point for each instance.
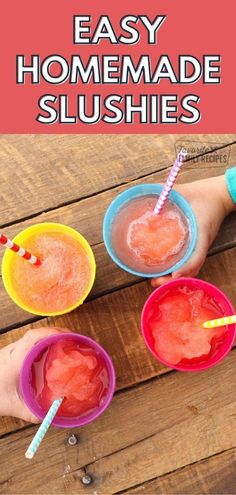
(21, 239)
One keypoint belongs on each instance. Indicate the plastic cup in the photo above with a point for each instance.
(22, 238)
(27, 393)
(220, 298)
(144, 190)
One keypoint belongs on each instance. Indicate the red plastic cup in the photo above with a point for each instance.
(27, 392)
(220, 298)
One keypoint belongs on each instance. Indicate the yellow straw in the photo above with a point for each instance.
(220, 322)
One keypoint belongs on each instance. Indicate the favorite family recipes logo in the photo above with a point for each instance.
(119, 70)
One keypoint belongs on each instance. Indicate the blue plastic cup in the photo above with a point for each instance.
(145, 190)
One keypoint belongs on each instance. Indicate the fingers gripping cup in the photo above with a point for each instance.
(64, 277)
(69, 366)
(145, 243)
(172, 320)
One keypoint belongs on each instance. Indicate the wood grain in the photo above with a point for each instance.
(40, 172)
(165, 432)
(215, 475)
(148, 431)
(114, 321)
(81, 214)
(109, 277)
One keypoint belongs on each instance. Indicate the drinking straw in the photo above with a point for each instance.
(170, 181)
(33, 447)
(220, 322)
(19, 250)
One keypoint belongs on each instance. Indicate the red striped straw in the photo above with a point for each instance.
(170, 181)
(19, 250)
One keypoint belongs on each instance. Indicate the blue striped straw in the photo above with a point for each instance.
(33, 447)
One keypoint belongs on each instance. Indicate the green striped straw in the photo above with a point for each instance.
(33, 447)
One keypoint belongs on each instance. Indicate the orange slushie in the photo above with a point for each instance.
(62, 280)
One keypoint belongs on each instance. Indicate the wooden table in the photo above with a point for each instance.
(165, 432)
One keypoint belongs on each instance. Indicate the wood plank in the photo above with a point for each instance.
(150, 430)
(65, 467)
(226, 237)
(118, 330)
(109, 277)
(213, 476)
(39, 172)
(80, 216)
(217, 270)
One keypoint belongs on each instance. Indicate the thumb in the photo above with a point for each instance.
(156, 282)
(21, 411)
(193, 265)
(195, 262)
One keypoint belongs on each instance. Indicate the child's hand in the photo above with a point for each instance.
(11, 359)
(211, 202)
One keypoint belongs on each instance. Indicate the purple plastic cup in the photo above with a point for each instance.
(27, 392)
(221, 299)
